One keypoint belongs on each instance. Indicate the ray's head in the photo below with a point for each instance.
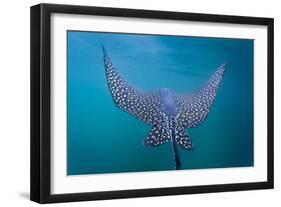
(168, 101)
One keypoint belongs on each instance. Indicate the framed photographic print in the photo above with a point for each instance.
(132, 103)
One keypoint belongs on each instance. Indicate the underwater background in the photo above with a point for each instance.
(101, 138)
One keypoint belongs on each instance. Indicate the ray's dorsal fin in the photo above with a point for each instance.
(142, 105)
(194, 108)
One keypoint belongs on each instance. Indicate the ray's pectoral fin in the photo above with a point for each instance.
(194, 108)
(142, 105)
(158, 135)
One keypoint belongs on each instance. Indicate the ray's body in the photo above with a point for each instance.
(168, 105)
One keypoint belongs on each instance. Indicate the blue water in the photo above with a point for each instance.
(104, 139)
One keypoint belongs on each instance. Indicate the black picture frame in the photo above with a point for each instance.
(41, 96)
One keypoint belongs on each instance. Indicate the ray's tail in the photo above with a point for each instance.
(175, 150)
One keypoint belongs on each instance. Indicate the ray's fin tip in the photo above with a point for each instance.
(103, 49)
(224, 65)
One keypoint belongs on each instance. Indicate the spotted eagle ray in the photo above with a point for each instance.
(168, 113)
